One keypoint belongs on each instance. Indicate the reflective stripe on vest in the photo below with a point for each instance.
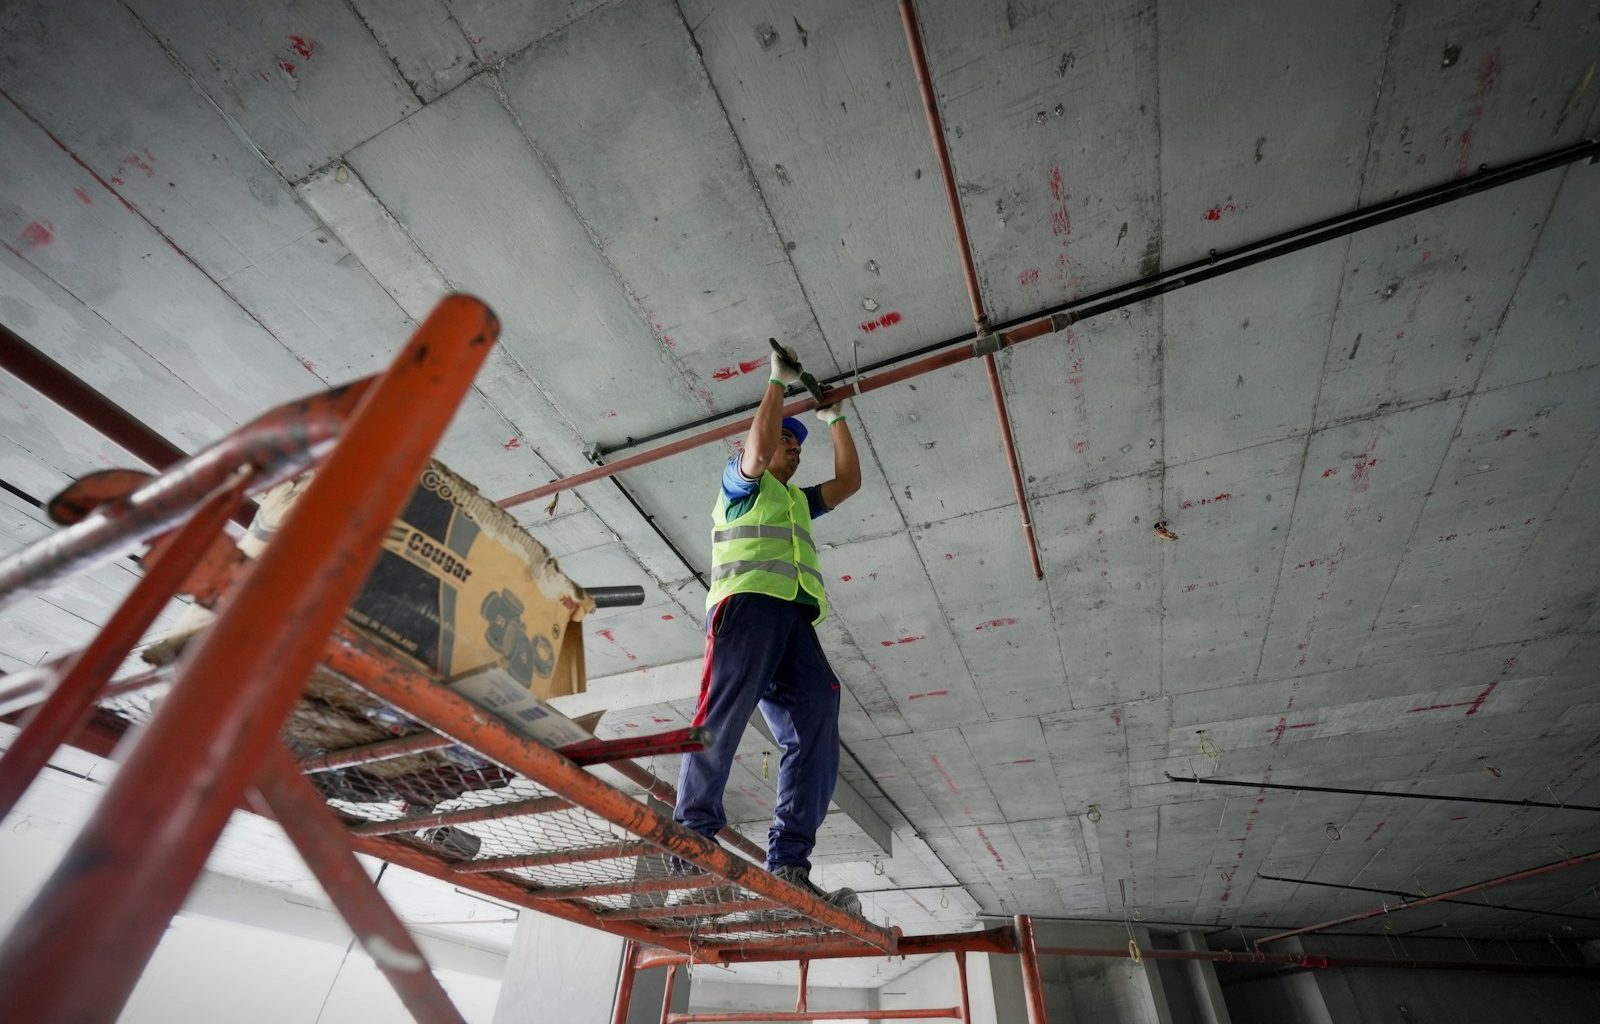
(767, 550)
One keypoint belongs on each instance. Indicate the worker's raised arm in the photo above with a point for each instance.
(761, 443)
(846, 464)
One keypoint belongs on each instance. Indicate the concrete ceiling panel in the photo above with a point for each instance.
(730, 284)
(1086, 403)
(423, 39)
(1554, 324)
(1002, 620)
(303, 83)
(1104, 566)
(1232, 516)
(498, 29)
(1244, 354)
(162, 146)
(1050, 137)
(873, 243)
(1356, 503)
(949, 775)
(114, 262)
(1085, 742)
(1263, 118)
(1016, 763)
(861, 683)
(1422, 298)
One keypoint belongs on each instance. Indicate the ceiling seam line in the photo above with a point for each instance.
(393, 61)
(754, 183)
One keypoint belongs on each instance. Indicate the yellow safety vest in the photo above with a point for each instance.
(768, 550)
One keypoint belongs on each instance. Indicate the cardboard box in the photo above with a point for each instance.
(460, 587)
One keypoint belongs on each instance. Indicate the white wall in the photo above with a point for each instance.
(937, 983)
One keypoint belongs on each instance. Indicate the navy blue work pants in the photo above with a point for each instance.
(763, 650)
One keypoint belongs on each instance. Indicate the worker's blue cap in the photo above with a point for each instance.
(796, 428)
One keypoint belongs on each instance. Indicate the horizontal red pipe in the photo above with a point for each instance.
(1465, 890)
(1000, 941)
(611, 851)
(674, 741)
(492, 812)
(371, 753)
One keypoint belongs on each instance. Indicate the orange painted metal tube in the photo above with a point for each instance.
(625, 983)
(1465, 890)
(666, 994)
(455, 716)
(83, 675)
(425, 863)
(1032, 984)
(372, 753)
(805, 970)
(961, 980)
(994, 941)
(969, 272)
(77, 951)
(744, 1015)
(280, 444)
(317, 835)
(465, 816)
(669, 796)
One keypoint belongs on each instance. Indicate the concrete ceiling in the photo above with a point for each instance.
(1379, 454)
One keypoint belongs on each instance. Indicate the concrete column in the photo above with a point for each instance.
(557, 969)
(1203, 978)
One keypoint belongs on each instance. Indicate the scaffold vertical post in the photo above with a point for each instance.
(630, 967)
(288, 796)
(961, 982)
(800, 1003)
(666, 995)
(77, 951)
(1028, 954)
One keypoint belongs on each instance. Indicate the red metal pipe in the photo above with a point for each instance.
(993, 941)
(625, 983)
(688, 910)
(961, 979)
(1032, 985)
(391, 680)
(467, 815)
(66, 389)
(77, 951)
(83, 675)
(805, 968)
(280, 444)
(969, 270)
(745, 1015)
(1465, 890)
(322, 843)
(372, 753)
(669, 796)
(673, 741)
(666, 995)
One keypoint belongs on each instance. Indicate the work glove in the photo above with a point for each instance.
(831, 414)
(781, 374)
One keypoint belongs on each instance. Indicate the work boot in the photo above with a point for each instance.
(845, 899)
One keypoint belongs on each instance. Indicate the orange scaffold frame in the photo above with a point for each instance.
(77, 951)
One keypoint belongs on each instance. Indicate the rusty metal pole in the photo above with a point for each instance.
(961, 980)
(78, 950)
(84, 674)
(323, 844)
(969, 272)
(805, 967)
(666, 997)
(1032, 985)
(630, 951)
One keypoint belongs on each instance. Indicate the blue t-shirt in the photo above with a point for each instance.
(741, 493)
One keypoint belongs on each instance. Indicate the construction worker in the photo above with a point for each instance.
(761, 643)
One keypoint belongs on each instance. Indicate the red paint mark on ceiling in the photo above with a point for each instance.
(515, 442)
(1375, 830)
(903, 640)
(1303, 725)
(308, 364)
(1488, 78)
(1507, 432)
(136, 162)
(303, 46)
(1360, 482)
(1116, 716)
(948, 781)
(660, 721)
(1216, 212)
(287, 66)
(83, 197)
(1081, 447)
(1277, 730)
(846, 579)
(996, 623)
(948, 557)
(1459, 817)
(930, 693)
(730, 372)
(1061, 215)
(1190, 588)
(666, 618)
(613, 640)
(1028, 278)
(1427, 254)
(988, 845)
(886, 320)
(1477, 702)
(1025, 760)
(1225, 496)
(1330, 472)
(38, 233)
